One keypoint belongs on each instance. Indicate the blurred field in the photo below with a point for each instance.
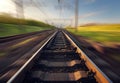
(14, 29)
(106, 34)
(10, 25)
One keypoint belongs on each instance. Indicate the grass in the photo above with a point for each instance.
(2, 54)
(12, 29)
(104, 28)
(23, 42)
(5, 51)
(109, 33)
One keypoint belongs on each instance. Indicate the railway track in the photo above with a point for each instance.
(59, 60)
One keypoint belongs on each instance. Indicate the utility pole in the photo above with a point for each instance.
(19, 12)
(19, 8)
(76, 13)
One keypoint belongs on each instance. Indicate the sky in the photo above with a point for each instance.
(62, 12)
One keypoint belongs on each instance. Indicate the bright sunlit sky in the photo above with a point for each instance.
(52, 11)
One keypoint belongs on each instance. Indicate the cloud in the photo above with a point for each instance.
(89, 1)
(91, 14)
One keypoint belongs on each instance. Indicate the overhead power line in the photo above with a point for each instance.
(76, 13)
(19, 8)
(38, 5)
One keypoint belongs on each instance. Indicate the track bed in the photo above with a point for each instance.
(59, 62)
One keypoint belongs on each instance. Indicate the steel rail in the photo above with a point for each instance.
(100, 76)
(22, 68)
(106, 78)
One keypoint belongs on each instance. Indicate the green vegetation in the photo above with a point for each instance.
(13, 26)
(104, 28)
(7, 19)
(107, 33)
(23, 42)
(12, 29)
(2, 54)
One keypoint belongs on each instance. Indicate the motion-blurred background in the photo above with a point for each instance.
(98, 21)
